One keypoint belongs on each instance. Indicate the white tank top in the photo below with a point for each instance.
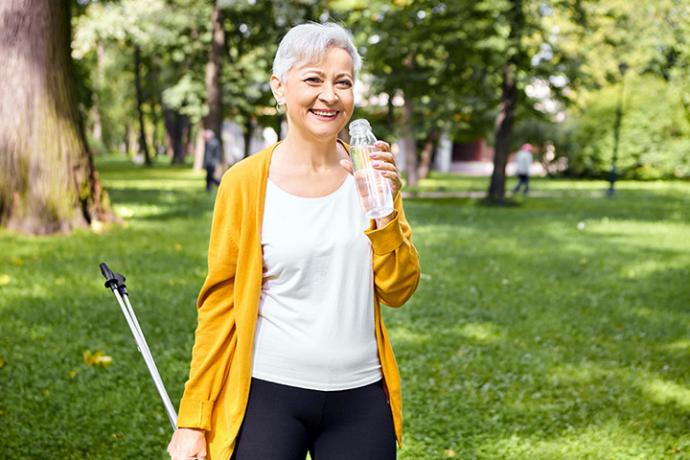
(316, 315)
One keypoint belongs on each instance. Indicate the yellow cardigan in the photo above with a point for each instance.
(216, 393)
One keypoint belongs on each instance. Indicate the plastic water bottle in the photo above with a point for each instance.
(374, 189)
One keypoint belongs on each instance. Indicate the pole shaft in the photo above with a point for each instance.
(140, 340)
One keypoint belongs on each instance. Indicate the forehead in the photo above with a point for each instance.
(333, 60)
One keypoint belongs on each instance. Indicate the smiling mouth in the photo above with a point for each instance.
(325, 114)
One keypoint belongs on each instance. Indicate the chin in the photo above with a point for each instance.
(325, 132)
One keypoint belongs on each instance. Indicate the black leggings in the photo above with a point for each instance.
(284, 423)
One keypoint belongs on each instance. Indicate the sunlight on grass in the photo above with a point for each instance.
(585, 372)
(482, 332)
(404, 334)
(555, 329)
(603, 440)
(154, 183)
(679, 345)
(139, 211)
(664, 392)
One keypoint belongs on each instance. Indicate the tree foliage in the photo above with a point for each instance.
(430, 66)
(649, 38)
(654, 137)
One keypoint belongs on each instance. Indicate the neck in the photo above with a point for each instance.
(310, 153)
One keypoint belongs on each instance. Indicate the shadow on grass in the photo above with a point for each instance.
(528, 338)
(536, 343)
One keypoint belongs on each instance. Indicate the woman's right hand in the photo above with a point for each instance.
(187, 444)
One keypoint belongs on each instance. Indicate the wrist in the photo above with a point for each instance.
(383, 221)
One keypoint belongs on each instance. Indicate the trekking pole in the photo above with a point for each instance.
(116, 282)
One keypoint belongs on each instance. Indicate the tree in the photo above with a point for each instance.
(529, 49)
(649, 37)
(515, 61)
(148, 46)
(418, 52)
(214, 87)
(48, 182)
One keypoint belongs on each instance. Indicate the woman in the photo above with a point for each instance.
(290, 351)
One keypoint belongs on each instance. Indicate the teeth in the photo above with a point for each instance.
(324, 114)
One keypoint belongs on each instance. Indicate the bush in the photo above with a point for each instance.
(654, 136)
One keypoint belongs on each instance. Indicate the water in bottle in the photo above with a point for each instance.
(374, 189)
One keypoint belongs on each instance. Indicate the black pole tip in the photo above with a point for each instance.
(105, 270)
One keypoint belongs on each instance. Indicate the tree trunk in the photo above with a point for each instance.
(143, 146)
(174, 126)
(248, 133)
(156, 143)
(214, 90)
(427, 155)
(504, 128)
(409, 144)
(509, 100)
(48, 182)
(390, 113)
(97, 129)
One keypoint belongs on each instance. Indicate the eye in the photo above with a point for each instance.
(344, 83)
(313, 80)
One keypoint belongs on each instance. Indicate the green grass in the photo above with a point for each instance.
(557, 329)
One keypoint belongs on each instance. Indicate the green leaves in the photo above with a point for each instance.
(654, 134)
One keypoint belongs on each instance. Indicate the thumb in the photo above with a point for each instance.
(347, 164)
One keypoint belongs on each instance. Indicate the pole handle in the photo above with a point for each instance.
(113, 280)
(107, 274)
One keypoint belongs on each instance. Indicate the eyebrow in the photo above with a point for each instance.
(321, 74)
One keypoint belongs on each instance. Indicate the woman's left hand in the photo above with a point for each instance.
(383, 161)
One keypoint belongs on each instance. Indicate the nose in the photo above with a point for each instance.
(328, 95)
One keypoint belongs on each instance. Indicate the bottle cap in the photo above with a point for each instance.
(359, 126)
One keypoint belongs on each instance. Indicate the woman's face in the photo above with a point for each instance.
(318, 96)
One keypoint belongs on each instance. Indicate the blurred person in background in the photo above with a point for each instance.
(523, 162)
(212, 158)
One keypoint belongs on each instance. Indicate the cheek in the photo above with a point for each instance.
(348, 101)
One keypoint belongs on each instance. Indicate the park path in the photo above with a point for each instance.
(482, 194)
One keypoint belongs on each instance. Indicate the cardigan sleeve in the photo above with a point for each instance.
(215, 333)
(396, 261)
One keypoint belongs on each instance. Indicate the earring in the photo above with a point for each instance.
(280, 108)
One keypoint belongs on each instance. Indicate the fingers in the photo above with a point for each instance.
(175, 456)
(390, 172)
(382, 165)
(384, 155)
(383, 146)
(187, 444)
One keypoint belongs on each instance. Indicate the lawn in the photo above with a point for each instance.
(556, 329)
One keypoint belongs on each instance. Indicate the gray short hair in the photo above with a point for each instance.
(309, 42)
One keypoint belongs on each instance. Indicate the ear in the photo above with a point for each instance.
(278, 89)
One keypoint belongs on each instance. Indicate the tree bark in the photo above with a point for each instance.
(48, 182)
(390, 113)
(156, 143)
(427, 155)
(504, 128)
(248, 133)
(143, 145)
(97, 129)
(508, 104)
(214, 89)
(409, 144)
(175, 127)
